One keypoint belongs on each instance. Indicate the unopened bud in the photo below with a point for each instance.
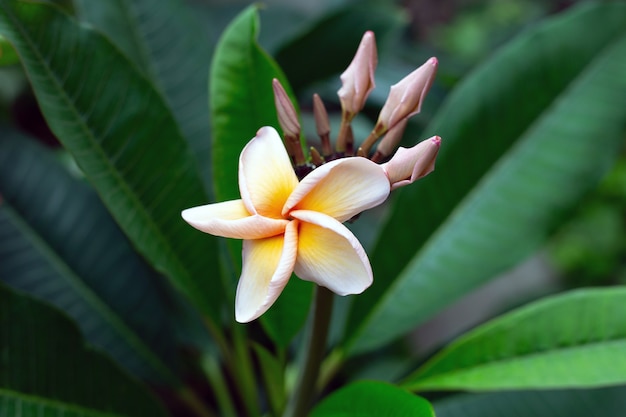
(405, 97)
(287, 116)
(358, 79)
(408, 165)
(322, 123)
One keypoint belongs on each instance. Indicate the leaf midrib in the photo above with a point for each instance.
(126, 190)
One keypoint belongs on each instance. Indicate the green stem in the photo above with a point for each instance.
(245, 373)
(238, 363)
(329, 368)
(192, 401)
(315, 346)
(218, 384)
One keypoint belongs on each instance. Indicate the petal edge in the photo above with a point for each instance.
(330, 255)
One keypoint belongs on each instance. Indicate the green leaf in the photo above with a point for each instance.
(241, 97)
(242, 101)
(524, 137)
(123, 137)
(372, 398)
(306, 61)
(59, 244)
(287, 315)
(167, 43)
(573, 340)
(47, 369)
(607, 402)
(8, 56)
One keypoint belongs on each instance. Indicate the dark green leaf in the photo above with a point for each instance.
(167, 43)
(605, 402)
(58, 243)
(123, 137)
(285, 318)
(573, 340)
(242, 101)
(524, 137)
(372, 398)
(47, 369)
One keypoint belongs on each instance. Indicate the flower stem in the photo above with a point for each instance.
(245, 372)
(315, 347)
(190, 398)
(211, 367)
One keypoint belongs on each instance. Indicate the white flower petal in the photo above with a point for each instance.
(266, 177)
(330, 255)
(267, 266)
(231, 219)
(341, 189)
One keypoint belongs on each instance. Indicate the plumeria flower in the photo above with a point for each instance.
(290, 217)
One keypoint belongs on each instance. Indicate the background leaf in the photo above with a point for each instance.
(167, 43)
(524, 137)
(274, 378)
(573, 340)
(608, 402)
(340, 32)
(242, 101)
(58, 243)
(47, 370)
(375, 399)
(142, 170)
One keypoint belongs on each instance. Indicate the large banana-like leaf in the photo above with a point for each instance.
(58, 243)
(168, 44)
(123, 137)
(524, 137)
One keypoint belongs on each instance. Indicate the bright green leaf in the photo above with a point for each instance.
(573, 340)
(523, 139)
(123, 137)
(58, 243)
(48, 371)
(169, 45)
(242, 101)
(372, 399)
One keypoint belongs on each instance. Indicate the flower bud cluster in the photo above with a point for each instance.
(404, 100)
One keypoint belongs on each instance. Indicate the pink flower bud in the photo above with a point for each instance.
(287, 116)
(408, 165)
(405, 97)
(358, 78)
